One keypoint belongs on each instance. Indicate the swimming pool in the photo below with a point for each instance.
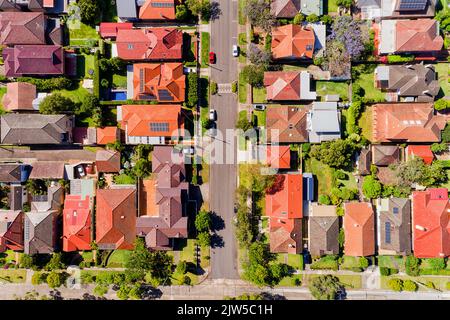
(118, 95)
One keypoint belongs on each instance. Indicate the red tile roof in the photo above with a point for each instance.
(157, 10)
(107, 135)
(284, 206)
(278, 157)
(418, 35)
(110, 29)
(11, 226)
(292, 41)
(33, 60)
(136, 119)
(408, 122)
(286, 124)
(107, 161)
(19, 96)
(282, 85)
(164, 82)
(423, 152)
(116, 218)
(431, 223)
(359, 229)
(150, 44)
(22, 28)
(77, 219)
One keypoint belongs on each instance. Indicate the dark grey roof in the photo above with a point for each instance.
(385, 155)
(15, 197)
(36, 129)
(323, 235)
(10, 172)
(396, 214)
(39, 232)
(368, 3)
(364, 161)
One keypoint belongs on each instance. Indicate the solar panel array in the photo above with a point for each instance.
(159, 126)
(164, 95)
(162, 5)
(413, 5)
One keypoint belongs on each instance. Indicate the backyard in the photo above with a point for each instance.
(365, 123)
(81, 34)
(443, 71)
(323, 174)
(85, 62)
(366, 81)
(329, 87)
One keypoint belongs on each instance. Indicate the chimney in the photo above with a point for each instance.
(418, 227)
(122, 217)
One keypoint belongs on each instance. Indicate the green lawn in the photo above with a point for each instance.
(187, 253)
(293, 260)
(350, 182)
(12, 276)
(10, 256)
(289, 281)
(242, 142)
(365, 123)
(323, 173)
(242, 18)
(289, 67)
(242, 41)
(2, 93)
(204, 115)
(349, 281)
(118, 258)
(85, 62)
(329, 87)
(259, 95)
(124, 179)
(443, 70)
(205, 40)
(80, 33)
(260, 117)
(392, 262)
(366, 81)
(439, 282)
(242, 90)
(76, 95)
(87, 256)
(350, 262)
(119, 81)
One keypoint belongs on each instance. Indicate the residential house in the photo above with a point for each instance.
(285, 8)
(384, 155)
(359, 229)
(422, 151)
(109, 30)
(394, 226)
(406, 122)
(25, 28)
(40, 232)
(29, 129)
(77, 223)
(151, 124)
(52, 201)
(284, 207)
(364, 161)
(16, 173)
(47, 170)
(165, 218)
(416, 82)
(127, 10)
(33, 60)
(17, 196)
(11, 230)
(293, 42)
(49, 6)
(288, 86)
(395, 9)
(107, 161)
(163, 82)
(323, 230)
(19, 96)
(308, 7)
(369, 9)
(105, 135)
(324, 122)
(278, 157)
(158, 10)
(150, 44)
(418, 37)
(431, 223)
(116, 218)
(286, 124)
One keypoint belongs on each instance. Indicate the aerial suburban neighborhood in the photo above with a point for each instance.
(224, 149)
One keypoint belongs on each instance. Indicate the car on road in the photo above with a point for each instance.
(212, 57)
(235, 51)
(261, 107)
(212, 115)
(81, 171)
(212, 131)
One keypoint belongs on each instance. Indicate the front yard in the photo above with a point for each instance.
(242, 90)
(13, 276)
(205, 39)
(259, 95)
(440, 283)
(118, 258)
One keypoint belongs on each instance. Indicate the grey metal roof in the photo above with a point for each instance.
(126, 8)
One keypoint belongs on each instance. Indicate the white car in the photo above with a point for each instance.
(212, 115)
(235, 51)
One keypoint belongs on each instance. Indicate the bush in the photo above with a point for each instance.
(56, 103)
(442, 104)
(186, 280)
(96, 76)
(439, 147)
(396, 58)
(38, 278)
(54, 279)
(338, 174)
(87, 277)
(412, 266)
(214, 87)
(192, 89)
(100, 290)
(371, 187)
(254, 75)
(204, 239)
(430, 285)
(395, 284)
(388, 271)
(436, 264)
(448, 285)
(363, 262)
(324, 199)
(234, 86)
(181, 267)
(312, 18)
(446, 134)
(50, 84)
(55, 262)
(26, 261)
(409, 285)
(299, 18)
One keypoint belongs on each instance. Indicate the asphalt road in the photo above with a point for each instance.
(223, 175)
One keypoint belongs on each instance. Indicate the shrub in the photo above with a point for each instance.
(430, 285)
(446, 134)
(181, 267)
(363, 262)
(388, 271)
(26, 261)
(338, 174)
(296, 282)
(442, 104)
(324, 199)
(412, 266)
(254, 75)
(50, 84)
(299, 18)
(371, 187)
(55, 262)
(439, 147)
(409, 285)
(436, 264)
(100, 290)
(395, 284)
(234, 86)
(312, 18)
(213, 87)
(186, 280)
(54, 279)
(38, 278)
(340, 211)
(87, 277)
(192, 89)
(448, 285)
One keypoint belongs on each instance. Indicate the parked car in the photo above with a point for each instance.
(81, 171)
(212, 115)
(235, 51)
(261, 107)
(188, 150)
(212, 57)
(212, 131)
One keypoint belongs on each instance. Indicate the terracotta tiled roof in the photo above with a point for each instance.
(19, 96)
(285, 124)
(282, 85)
(107, 161)
(292, 41)
(22, 28)
(11, 230)
(110, 29)
(278, 157)
(422, 151)
(407, 122)
(418, 35)
(285, 8)
(164, 82)
(137, 118)
(47, 170)
(116, 218)
(359, 229)
(158, 10)
(107, 135)
(77, 223)
(431, 223)
(150, 44)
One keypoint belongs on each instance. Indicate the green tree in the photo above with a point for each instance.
(259, 14)
(200, 7)
(26, 261)
(312, 18)
(123, 292)
(182, 12)
(55, 262)
(395, 284)
(439, 147)
(135, 292)
(412, 266)
(142, 168)
(243, 124)
(436, 264)
(204, 239)
(54, 279)
(409, 285)
(326, 19)
(371, 187)
(299, 18)
(89, 104)
(257, 268)
(325, 287)
(55, 104)
(344, 3)
(203, 221)
(100, 290)
(192, 89)
(89, 11)
(139, 261)
(254, 75)
(442, 104)
(446, 133)
(181, 267)
(324, 199)
(336, 154)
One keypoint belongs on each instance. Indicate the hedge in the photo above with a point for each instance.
(192, 89)
(96, 89)
(397, 58)
(51, 84)
(388, 271)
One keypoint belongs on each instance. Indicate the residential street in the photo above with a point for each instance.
(223, 174)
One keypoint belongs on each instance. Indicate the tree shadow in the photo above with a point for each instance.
(150, 293)
(217, 222)
(215, 11)
(271, 296)
(56, 295)
(217, 241)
